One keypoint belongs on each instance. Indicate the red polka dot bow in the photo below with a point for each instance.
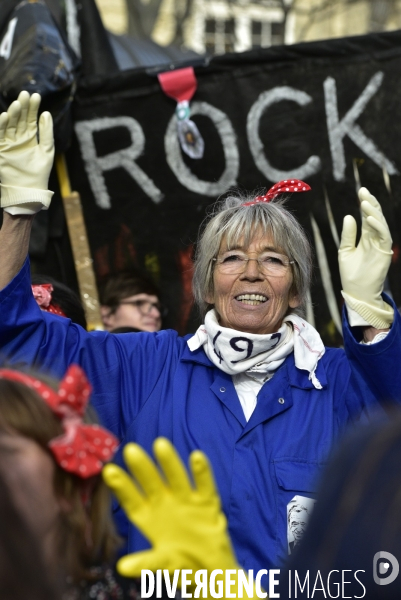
(282, 187)
(82, 449)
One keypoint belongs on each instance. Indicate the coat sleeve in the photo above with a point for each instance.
(122, 369)
(376, 368)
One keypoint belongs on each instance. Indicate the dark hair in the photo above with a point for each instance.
(125, 284)
(22, 571)
(126, 329)
(65, 298)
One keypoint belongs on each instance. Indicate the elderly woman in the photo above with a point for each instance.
(254, 387)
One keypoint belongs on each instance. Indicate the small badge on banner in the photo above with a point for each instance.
(181, 85)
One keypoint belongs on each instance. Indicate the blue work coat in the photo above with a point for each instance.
(147, 385)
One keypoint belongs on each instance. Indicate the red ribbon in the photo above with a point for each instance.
(282, 187)
(179, 84)
(82, 449)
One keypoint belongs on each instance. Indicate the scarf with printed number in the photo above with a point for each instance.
(235, 352)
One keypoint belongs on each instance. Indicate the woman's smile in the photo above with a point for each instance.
(252, 301)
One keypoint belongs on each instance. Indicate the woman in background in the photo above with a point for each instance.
(130, 302)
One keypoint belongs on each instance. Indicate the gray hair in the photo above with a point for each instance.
(233, 221)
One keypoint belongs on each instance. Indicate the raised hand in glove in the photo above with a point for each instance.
(363, 268)
(25, 160)
(183, 522)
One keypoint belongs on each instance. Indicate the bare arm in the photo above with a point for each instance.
(14, 243)
(369, 333)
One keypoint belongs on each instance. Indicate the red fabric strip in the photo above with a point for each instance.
(179, 84)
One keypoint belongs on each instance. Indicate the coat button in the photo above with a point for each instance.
(222, 389)
(281, 400)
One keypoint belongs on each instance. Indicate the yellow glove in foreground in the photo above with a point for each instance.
(363, 268)
(184, 523)
(25, 162)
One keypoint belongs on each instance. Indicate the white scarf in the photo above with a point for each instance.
(235, 352)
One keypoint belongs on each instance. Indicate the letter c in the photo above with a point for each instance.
(265, 100)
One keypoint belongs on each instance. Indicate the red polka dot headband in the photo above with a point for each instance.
(43, 296)
(82, 449)
(282, 187)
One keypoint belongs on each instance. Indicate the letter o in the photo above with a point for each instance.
(231, 155)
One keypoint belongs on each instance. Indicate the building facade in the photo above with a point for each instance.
(219, 26)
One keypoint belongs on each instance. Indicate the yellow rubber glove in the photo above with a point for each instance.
(184, 523)
(25, 161)
(363, 268)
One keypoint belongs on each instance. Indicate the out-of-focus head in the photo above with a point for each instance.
(23, 573)
(264, 231)
(355, 526)
(63, 300)
(69, 514)
(130, 299)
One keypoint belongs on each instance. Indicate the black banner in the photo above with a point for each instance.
(326, 112)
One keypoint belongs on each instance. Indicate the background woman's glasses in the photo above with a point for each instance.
(145, 306)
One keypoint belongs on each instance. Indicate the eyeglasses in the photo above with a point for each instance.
(270, 263)
(145, 306)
